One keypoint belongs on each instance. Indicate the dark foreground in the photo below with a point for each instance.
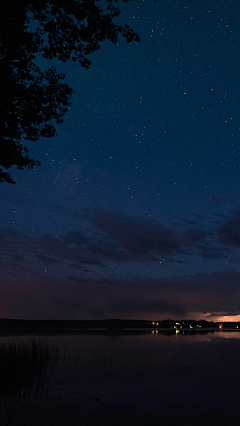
(113, 378)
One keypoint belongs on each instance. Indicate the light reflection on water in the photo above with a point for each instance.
(115, 379)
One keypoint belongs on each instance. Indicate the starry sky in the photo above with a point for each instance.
(134, 212)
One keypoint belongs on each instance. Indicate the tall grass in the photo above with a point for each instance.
(26, 368)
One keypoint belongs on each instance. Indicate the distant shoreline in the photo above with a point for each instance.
(107, 331)
(21, 326)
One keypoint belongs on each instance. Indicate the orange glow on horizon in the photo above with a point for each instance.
(227, 318)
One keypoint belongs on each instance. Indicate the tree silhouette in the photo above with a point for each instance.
(33, 101)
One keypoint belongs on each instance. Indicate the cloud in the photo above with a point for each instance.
(160, 306)
(137, 235)
(126, 238)
(193, 237)
(102, 237)
(212, 252)
(10, 255)
(46, 259)
(99, 282)
(230, 230)
(179, 297)
(19, 247)
(202, 296)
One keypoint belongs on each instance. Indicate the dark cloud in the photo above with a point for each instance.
(230, 230)
(135, 238)
(72, 246)
(212, 252)
(20, 247)
(69, 304)
(75, 238)
(46, 259)
(78, 266)
(200, 296)
(193, 237)
(125, 239)
(10, 255)
(98, 282)
(104, 237)
(178, 297)
(141, 307)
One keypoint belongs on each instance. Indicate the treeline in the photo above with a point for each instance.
(71, 324)
(111, 324)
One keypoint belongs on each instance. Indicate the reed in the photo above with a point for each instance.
(26, 368)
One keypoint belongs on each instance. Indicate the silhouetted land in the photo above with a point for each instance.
(19, 325)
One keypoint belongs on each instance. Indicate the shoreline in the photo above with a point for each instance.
(57, 331)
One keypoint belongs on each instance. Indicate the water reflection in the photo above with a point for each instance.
(26, 367)
(111, 378)
(234, 333)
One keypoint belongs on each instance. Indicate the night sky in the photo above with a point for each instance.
(134, 212)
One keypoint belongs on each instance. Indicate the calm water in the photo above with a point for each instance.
(113, 380)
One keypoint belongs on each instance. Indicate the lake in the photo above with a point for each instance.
(107, 379)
